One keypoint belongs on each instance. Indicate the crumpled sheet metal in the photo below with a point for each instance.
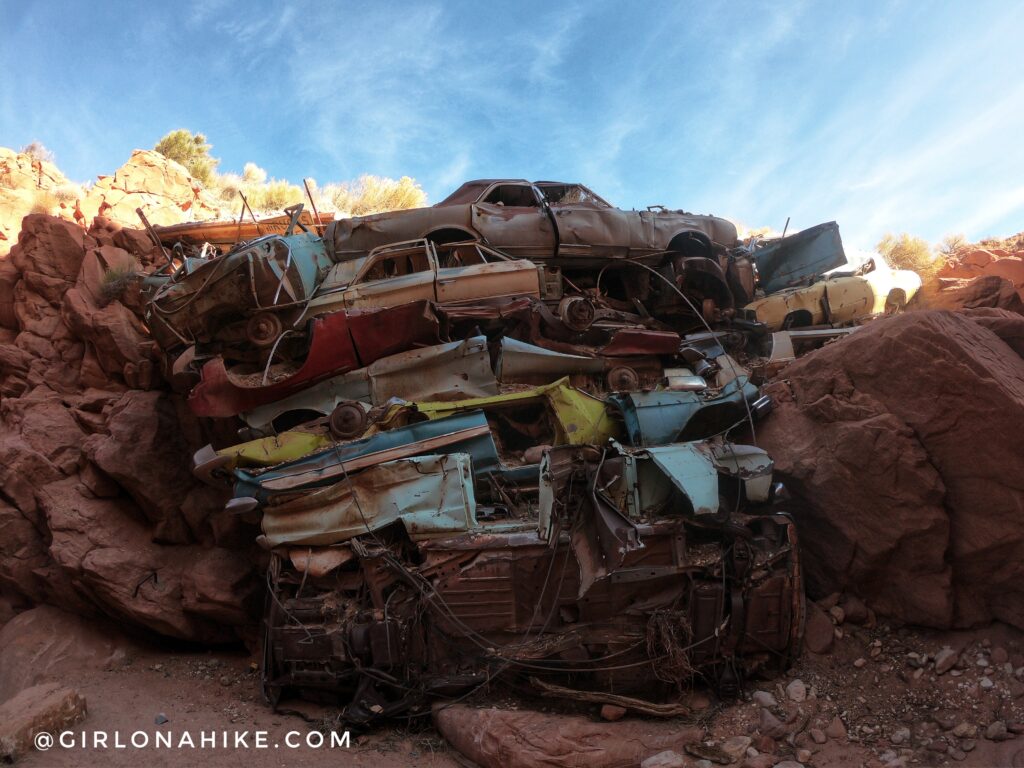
(321, 398)
(339, 342)
(674, 579)
(627, 485)
(429, 495)
(463, 433)
(799, 258)
(453, 371)
(449, 371)
(579, 418)
(668, 416)
(522, 363)
(266, 272)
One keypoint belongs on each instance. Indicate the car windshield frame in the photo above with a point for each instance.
(590, 197)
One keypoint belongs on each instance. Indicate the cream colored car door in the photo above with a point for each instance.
(468, 273)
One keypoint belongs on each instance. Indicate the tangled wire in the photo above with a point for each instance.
(669, 637)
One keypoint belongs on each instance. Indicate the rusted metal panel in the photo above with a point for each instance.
(799, 258)
(339, 342)
(692, 471)
(320, 398)
(450, 371)
(637, 342)
(464, 433)
(667, 416)
(428, 495)
(522, 363)
(225, 234)
(377, 333)
(453, 371)
(578, 418)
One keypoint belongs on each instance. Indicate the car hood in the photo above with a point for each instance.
(800, 258)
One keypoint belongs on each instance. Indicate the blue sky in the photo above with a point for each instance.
(904, 116)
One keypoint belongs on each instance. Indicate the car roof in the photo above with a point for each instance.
(470, 191)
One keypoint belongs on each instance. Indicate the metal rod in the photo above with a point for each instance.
(316, 215)
(785, 228)
(154, 236)
(238, 231)
(254, 220)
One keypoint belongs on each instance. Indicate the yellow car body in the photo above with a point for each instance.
(840, 299)
(576, 418)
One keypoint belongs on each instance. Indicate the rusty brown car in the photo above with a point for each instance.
(568, 225)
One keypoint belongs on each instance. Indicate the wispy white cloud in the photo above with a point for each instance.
(889, 117)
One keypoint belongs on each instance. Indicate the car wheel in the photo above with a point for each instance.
(622, 378)
(576, 312)
(264, 329)
(347, 420)
(895, 303)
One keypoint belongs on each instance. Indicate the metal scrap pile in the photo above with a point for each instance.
(492, 439)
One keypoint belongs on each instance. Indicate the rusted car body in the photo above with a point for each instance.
(245, 303)
(554, 414)
(841, 298)
(568, 226)
(206, 296)
(337, 343)
(419, 270)
(537, 220)
(660, 417)
(632, 578)
(604, 248)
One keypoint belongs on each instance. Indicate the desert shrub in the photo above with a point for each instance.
(115, 282)
(67, 193)
(368, 194)
(951, 244)
(38, 151)
(273, 196)
(44, 201)
(192, 151)
(905, 251)
(253, 174)
(374, 194)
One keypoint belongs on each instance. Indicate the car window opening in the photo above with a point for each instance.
(397, 265)
(513, 195)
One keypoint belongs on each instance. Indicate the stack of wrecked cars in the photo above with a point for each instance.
(505, 437)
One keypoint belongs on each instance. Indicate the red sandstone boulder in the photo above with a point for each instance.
(901, 447)
(504, 738)
(99, 513)
(163, 189)
(45, 644)
(986, 291)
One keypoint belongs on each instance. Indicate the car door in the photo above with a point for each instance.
(468, 272)
(388, 278)
(510, 216)
(587, 230)
(800, 258)
(850, 298)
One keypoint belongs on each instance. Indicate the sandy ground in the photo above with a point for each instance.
(216, 692)
(880, 682)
